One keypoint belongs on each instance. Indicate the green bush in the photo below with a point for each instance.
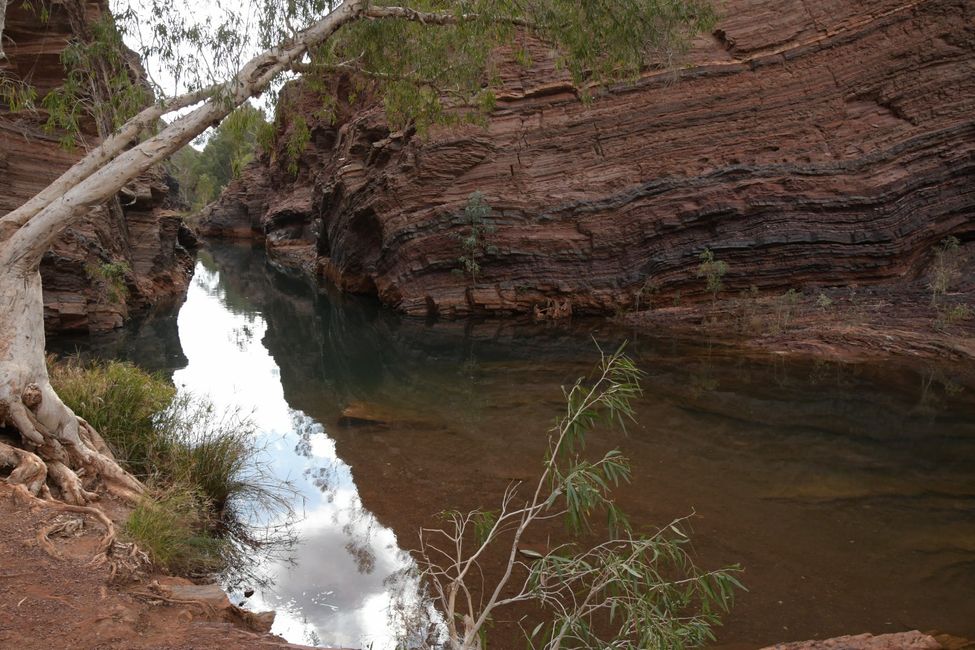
(946, 268)
(170, 527)
(122, 403)
(713, 272)
(214, 453)
(476, 219)
(112, 276)
(201, 465)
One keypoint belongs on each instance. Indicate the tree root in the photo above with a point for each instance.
(207, 609)
(28, 483)
(128, 561)
(60, 447)
(76, 443)
(61, 462)
(29, 470)
(21, 493)
(93, 439)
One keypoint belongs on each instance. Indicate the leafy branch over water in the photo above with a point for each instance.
(627, 591)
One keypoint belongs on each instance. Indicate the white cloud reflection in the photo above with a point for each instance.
(336, 591)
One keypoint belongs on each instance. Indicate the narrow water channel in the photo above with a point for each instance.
(847, 492)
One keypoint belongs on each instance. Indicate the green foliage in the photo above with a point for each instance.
(824, 302)
(947, 263)
(484, 522)
(202, 175)
(713, 272)
(433, 62)
(952, 315)
(629, 576)
(472, 242)
(208, 486)
(646, 292)
(98, 83)
(298, 138)
(16, 95)
(427, 71)
(958, 313)
(170, 528)
(645, 605)
(211, 452)
(628, 591)
(112, 276)
(747, 310)
(784, 310)
(604, 41)
(118, 400)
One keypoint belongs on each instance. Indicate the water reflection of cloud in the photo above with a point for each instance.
(336, 588)
(232, 372)
(333, 588)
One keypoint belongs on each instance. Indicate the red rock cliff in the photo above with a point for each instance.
(144, 240)
(806, 143)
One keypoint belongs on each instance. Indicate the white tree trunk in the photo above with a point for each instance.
(3, 19)
(59, 451)
(57, 445)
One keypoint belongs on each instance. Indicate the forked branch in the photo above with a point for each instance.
(647, 586)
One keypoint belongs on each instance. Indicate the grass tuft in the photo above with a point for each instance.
(170, 528)
(122, 402)
(209, 489)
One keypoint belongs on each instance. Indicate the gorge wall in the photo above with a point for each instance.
(806, 144)
(123, 258)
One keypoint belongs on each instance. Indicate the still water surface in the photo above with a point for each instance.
(847, 492)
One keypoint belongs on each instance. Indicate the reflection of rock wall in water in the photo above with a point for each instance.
(352, 350)
(150, 241)
(807, 144)
(787, 462)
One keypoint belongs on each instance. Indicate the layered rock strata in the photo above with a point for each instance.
(806, 144)
(125, 257)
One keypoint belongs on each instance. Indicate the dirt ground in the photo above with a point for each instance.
(66, 603)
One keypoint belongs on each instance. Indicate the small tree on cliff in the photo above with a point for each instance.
(431, 60)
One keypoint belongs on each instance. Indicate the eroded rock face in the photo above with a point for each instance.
(806, 144)
(119, 260)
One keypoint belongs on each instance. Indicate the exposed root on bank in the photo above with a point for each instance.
(20, 493)
(67, 446)
(62, 464)
(128, 562)
(155, 595)
(28, 470)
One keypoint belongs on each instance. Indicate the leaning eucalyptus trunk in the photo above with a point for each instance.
(59, 455)
(58, 447)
